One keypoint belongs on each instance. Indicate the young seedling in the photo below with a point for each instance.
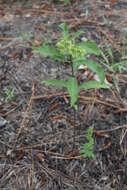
(112, 66)
(75, 54)
(87, 149)
(9, 94)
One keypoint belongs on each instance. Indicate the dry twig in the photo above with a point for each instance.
(25, 119)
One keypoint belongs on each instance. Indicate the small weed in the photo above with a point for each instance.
(87, 149)
(112, 66)
(9, 94)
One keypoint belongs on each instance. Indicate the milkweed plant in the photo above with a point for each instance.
(67, 49)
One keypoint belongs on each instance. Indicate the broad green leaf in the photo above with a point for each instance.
(90, 47)
(55, 82)
(77, 63)
(95, 67)
(72, 87)
(93, 85)
(65, 30)
(92, 65)
(48, 51)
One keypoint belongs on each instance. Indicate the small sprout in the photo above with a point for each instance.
(87, 148)
(112, 66)
(9, 94)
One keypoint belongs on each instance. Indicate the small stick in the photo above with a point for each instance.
(24, 121)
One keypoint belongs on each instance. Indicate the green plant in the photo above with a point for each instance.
(68, 50)
(87, 148)
(67, 1)
(10, 94)
(112, 66)
(63, 1)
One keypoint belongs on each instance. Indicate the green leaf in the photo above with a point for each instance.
(90, 47)
(72, 86)
(104, 57)
(67, 1)
(78, 62)
(93, 85)
(48, 51)
(65, 30)
(115, 81)
(120, 66)
(95, 67)
(89, 134)
(87, 149)
(92, 65)
(109, 50)
(55, 82)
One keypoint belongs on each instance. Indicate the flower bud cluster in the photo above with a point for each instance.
(66, 47)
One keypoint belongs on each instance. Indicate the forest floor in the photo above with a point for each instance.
(36, 122)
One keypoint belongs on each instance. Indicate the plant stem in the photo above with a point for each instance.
(74, 111)
(74, 125)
